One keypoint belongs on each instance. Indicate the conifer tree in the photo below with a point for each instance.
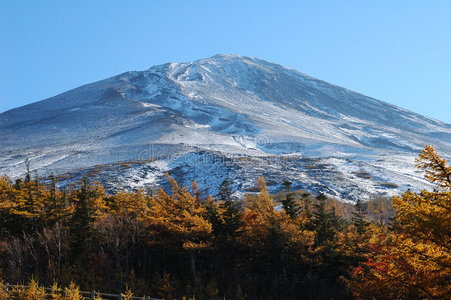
(179, 221)
(56, 208)
(214, 217)
(307, 205)
(53, 189)
(28, 201)
(81, 225)
(289, 204)
(225, 191)
(28, 174)
(358, 217)
(414, 261)
(323, 221)
(231, 213)
(195, 190)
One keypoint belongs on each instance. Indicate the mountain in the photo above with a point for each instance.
(227, 116)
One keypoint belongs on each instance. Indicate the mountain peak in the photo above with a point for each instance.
(222, 116)
(228, 56)
(241, 58)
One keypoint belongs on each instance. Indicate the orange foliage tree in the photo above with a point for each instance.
(178, 221)
(414, 260)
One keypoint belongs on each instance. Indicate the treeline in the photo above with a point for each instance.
(181, 244)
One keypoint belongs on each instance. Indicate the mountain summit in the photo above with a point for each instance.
(227, 116)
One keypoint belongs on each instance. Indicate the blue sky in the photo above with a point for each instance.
(396, 51)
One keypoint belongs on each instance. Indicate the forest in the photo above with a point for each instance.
(181, 244)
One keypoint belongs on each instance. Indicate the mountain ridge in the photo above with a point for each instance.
(226, 105)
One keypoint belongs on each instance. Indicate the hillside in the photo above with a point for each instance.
(223, 117)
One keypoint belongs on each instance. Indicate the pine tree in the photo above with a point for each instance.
(28, 174)
(289, 204)
(307, 205)
(81, 224)
(214, 217)
(358, 217)
(231, 213)
(56, 208)
(323, 222)
(53, 190)
(225, 191)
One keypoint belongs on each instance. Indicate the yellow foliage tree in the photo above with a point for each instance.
(72, 292)
(134, 204)
(4, 294)
(55, 207)
(179, 217)
(55, 292)
(259, 216)
(22, 199)
(261, 220)
(6, 196)
(31, 292)
(128, 295)
(94, 195)
(32, 201)
(177, 220)
(414, 261)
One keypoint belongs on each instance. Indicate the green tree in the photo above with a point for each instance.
(81, 223)
(225, 191)
(358, 217)
(324, 222)
(289, 204)
(231, 213)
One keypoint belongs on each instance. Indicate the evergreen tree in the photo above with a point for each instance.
(81, 224)
(56, 206)
(53, 189)
(289, 204)
(307, 205)
(231, 213)
(28, 174)
(358, 217)
(214, 217)
(324, 222)
(28, 185)
(225, 191)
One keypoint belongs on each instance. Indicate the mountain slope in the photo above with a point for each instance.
(225, 116)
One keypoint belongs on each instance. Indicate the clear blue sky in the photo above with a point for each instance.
(396, 51)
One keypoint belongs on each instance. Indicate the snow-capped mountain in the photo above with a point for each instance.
(227, 116)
